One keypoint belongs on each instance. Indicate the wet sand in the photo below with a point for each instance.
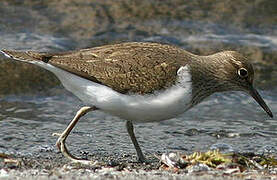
(124, 167)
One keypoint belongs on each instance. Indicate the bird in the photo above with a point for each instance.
(142, 82)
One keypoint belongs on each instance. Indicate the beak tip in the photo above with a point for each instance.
(270, 114)
(254, 93)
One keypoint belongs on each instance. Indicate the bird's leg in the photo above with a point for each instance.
(130, 129)
(62, 137)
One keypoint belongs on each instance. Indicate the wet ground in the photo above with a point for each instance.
(33, 104)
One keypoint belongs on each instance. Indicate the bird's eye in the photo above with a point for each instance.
(243, 72)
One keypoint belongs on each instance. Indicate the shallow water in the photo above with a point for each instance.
(229, 121)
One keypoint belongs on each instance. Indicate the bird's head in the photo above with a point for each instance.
(229, 71)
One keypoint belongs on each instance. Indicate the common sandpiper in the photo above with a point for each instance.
(142, 82)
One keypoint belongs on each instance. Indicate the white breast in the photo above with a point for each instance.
(161, 105)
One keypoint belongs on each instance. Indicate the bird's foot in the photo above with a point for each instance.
(141, 159)
(62, 147)
(58, 142)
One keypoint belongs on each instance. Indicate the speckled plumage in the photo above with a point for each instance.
(143, 82)
(127, 68)
(143, 68)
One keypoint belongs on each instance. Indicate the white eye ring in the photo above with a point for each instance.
(242, 72)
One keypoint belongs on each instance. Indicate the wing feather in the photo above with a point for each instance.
(127, 68)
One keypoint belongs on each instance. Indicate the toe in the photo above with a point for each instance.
(56, 134)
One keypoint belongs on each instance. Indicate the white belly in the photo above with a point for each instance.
(159, 106)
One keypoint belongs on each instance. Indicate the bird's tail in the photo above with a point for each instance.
(26, 56)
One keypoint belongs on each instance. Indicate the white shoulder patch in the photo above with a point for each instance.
(184, 75)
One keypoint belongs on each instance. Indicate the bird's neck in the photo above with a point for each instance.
(205, 79)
